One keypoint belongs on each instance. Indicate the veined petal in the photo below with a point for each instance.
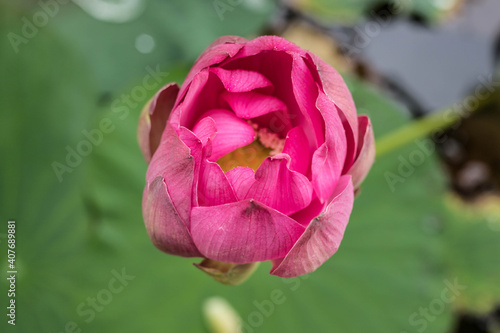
(243, 232)
(240, 80)
(322, 237)
(153, 119)
(221, 49)
(328, 160)
(249, 105)
(277, 67)
(297, 146)
(229, 39)
(335, 88)
(366, 153)
(185, 110)
(305, 216)
(213, 187)
(269, 43)
(197, 152)
(205, 129)
(241, 178)
(232, 133)
(278, 187)
(165, 226)
(305, 90)
(175, 164)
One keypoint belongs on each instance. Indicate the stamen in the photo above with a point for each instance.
(269, 139)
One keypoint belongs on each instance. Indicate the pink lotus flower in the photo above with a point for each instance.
(256, 157)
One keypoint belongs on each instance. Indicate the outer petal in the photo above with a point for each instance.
(243, 232)
(276, 186)
(322, 237)
(335, 88)
(305, 90)
(197, 152)
(185, 112)
(366, 153)
(174, 162)
(328, 160)
(269, 43)
(164, 224)
(154, 118)
(306, 215)
(229, 39)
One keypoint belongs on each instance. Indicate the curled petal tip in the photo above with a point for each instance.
(366, 152)
(322, 237)
(153, 119)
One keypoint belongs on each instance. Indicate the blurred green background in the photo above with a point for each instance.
(86, 61)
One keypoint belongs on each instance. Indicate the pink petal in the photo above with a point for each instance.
(243, 232)
(278, 122)
(335, 88)
(205, 129)
(297, 146)
(322, 237)
(305, 90)
(277, 67)
(366, 154)
(305, 216)
(186, 111)
(192, 142)
(241, 80)
(269, 43)
(175, 164)
(213, 187)
(249, 105)
(241, 178)
(276, 186)
(232, 133)
(196, 150)
(154, 118)
(165, 226)
(229, 39)
(204, 94)
(328, 160)
(221, 49)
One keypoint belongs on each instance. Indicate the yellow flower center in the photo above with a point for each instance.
(266, 144)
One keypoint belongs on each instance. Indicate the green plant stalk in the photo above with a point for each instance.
(432, 123)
